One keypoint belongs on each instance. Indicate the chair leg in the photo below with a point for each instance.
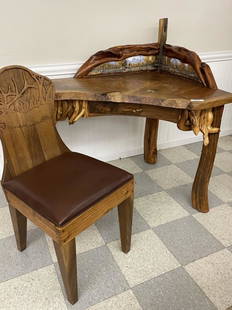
(125, 214)
(19, 222)
(66, 255)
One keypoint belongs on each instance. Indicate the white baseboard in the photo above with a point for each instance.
(56, 71)
(189, 140)
(160, 146)
(216, 56)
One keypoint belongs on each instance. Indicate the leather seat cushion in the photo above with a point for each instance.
(65, 186)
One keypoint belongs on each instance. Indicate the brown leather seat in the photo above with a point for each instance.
(63, 187)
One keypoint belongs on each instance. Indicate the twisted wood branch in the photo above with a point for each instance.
(198, 121)
(71, 110)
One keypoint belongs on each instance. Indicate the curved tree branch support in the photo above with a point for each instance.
(201, 181)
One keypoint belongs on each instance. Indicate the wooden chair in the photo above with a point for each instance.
(60, 191)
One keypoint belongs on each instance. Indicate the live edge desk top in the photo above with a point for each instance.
(157, 81)
(146, 88)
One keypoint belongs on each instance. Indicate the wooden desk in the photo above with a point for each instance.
(157, 81)
(155, 96)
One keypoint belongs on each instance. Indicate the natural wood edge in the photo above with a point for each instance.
(116, 53)
(159, 49)
(185, 56)
(213, 103)
(63, 234)
(208, 76)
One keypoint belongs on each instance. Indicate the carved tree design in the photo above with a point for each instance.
(13, 99)
(27, 120)
(21, 91)
(18, 99)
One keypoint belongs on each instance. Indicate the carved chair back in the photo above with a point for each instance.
(27, 124)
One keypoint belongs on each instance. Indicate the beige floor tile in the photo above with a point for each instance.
(6, 228)
(219, 222)
(87, 240)
(224, 161)
(159, 209)
(169, 176)
(225, 143)
(126, 164)
(38, 290)
(214, 275)
(3, 202)
(178, 154)
(124, 301)
(147, 258)
(221, 186)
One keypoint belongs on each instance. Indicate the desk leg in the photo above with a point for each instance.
(150, 140)
(201, 181)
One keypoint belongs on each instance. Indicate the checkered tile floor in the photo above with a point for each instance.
(180, 259)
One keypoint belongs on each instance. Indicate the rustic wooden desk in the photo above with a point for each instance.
(157, 81)
(155, 96)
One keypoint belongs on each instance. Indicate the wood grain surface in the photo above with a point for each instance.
(27, 120)
(148, 88)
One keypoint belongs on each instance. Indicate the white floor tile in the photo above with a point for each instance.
(219, 222)
(124, 301)
(6, 228)
(147, 258)
(214, 276)
(126, 164)
(225, 143)
(224, 161)
(37, 290)
(159, 208)
(178, 154)
(221, 186)
(3, 202)
(169, 176)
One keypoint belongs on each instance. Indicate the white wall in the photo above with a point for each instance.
(54, 37)
(59, 31)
